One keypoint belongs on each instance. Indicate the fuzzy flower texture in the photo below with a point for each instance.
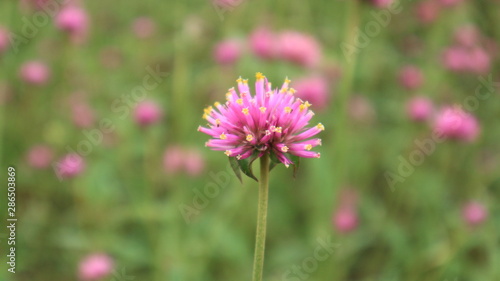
(272, 121)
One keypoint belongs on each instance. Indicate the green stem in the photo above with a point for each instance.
(260, 237)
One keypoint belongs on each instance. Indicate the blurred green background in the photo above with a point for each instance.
(161, 224)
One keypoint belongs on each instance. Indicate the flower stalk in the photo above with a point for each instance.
(260, 237)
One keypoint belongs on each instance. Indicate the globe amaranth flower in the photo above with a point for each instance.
(271, 121)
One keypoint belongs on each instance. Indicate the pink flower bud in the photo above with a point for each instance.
(194, 162)
(419, 108)
(74, 20)
(227, 52)
(147, 113)
(411, 77)
(70, 165)
(478, 61)
(40, 156)
(454, 123)
(456, 59)
(474, 213)
(345, 220)
(427, 11)
(95, 267)
(173, 159)
(299, 48)
(35, 72)
(467, 36)
(263, 43)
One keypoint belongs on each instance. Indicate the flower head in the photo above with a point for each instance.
(95, 266)
(455, 123)
(271, 121)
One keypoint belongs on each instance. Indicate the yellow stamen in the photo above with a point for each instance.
(245, 110)
(217, 122)
(239, 80)
(277, 129)
(223, 136)
(262, 109)
(288, 109)
(228, 152)
(204, 116)
(249, 137)
(238, 156)
(216, 104)
(208, 109)
(284, 148)
(287, 80)
(320, 127)
(239, 101)
(308, 147)
(259, 76)
(245, 81)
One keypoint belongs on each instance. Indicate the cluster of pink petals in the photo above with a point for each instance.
(73, 20)
(35, 72)
(419, 108)
(411, 77)
(474, 213)
(271, 121)
(70, 165)
(454, 123)
(147, 113)
(228, 51)
(95, 267)
(40, 156)
(263, 43)
(4, 39)
(177, 159)
(314, 89)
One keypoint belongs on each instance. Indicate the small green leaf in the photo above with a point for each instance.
(246, 165)
(235, 165)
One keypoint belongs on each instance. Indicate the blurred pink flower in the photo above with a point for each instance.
(427, 11)
(228, 51)
(147, 113)
(263, 43)
(419, 108)
(411, 77)
(40, 156)
(382, 3)
(143, 27)
(474, 213)
(173, 159)
(70, 165)
(193, 162)
(455, 59)
(4, 39)
(35, 72)
(345, 220)
(95, 267)
(313, 89)
(478, 61)
(299, 48)
(467, 36)
(74, 20)
(454, 123)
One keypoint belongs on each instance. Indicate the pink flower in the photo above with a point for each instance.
(70, 165)
(35, 72)
(95, 266)
(456, 59)
(454, 123)
(419, 108)
(263, 43)
(474, 213)
(427, 11)
(74, 20)
(382, 3)
(313, 89)
(193, 162)
(411, 77)
(173, 159)
(478, 61)
(147, 113)
(40, 156)
(299, 48)
(143, 27)
(4, 39)
(269, 122)
(467, 36)
(345, 220)
(227, 52)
